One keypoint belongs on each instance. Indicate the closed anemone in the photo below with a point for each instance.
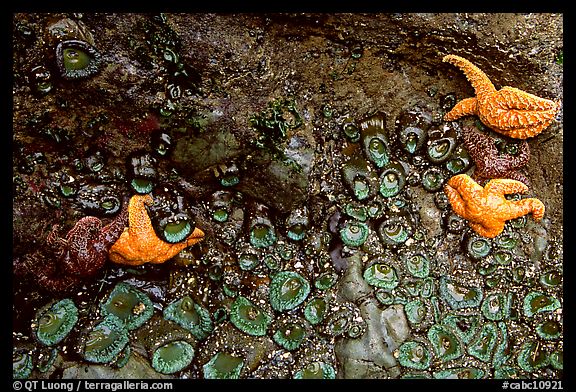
(441, 144)
(459, 162)
(412, 139)
(223, 366)
(375, 139)
(177, 231)
(56, 321)
(394, 231)
(172, 357)
(360, 178)
(478, 247)
(142, 185)
(288, 290)
(248, 317)
(77, 59)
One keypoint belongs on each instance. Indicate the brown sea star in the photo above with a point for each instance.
(490, 162)
(486, 208)
(65, 262)
(139, 243)
(509, 111)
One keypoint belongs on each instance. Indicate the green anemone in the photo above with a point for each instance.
(55, 322)
(441, 144)
(105, 340)
(77, 59)
(557, 359)
(496, 306)
(394, 231)
(532, 356)
(459, 373)
(290, 335)
(392, 179)
(433, 179)
(549, 330)
(360, 178)
(316, 310)
(478, 247)
(316, 370)
(142, 185)
(248, 261)
(262, 235)
(191, 316)
(416, 312)
(326, 280)
(537, 302)
(414, 355)
(464, 326)
(551, 279)
(381, 275)
(483, 346)
(129, 305)
(172, 357)
(417, 264)
(248, 317)
(288, 289)
(459, 297)
(354, 233)
(459, 162)
(351, 130)
(22, 364)
(223, 366)
(177, 231)
(445, 343)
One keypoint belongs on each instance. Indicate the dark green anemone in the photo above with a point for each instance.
(417, 264)
(297, 223)
(532, 356)
(392, 179)
(191, 316)
(433, 179)
(223, 366)
(262, 233)
(394, 230)
(360, 178)
(351, 130)
(316, 370)
(441, 144)
(375, 140)
(103, 342)
(53, 323)
(485, 343)
(459, 373)
(459, 297)
(496, 306)
(478, 247)
(537, 302)
(290, 335)
(316, 310)
(459, 162)
(288, 289)
(549, 330)
(172, 357)
(142, 185)
(129, 305)
(248, 317)
(77, 59)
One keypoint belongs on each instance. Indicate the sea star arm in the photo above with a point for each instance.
(482, 85)
(491, 231)
(466, 107)
(505, 186)
(456, 200)
(529, 205)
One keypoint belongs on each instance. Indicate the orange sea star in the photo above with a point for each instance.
(139, 243)
(509, 111)
(486, 208)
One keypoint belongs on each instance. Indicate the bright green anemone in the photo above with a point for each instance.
(288, 289)
(248, 317)
(172, 357)
(381, 275)
(22, 364)
(354, 233)
(129, 305)
(175, 232)
(55, 322)
(191, 316)
(223, 366)
(290, 335)
(105, 340)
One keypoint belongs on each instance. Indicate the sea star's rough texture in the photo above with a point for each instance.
(509, 111)
(66, 262)
(487, 209)
(139, 243)
(490, 163)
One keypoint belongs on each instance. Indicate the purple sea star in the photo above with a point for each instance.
(490, 163)
(67, 261)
